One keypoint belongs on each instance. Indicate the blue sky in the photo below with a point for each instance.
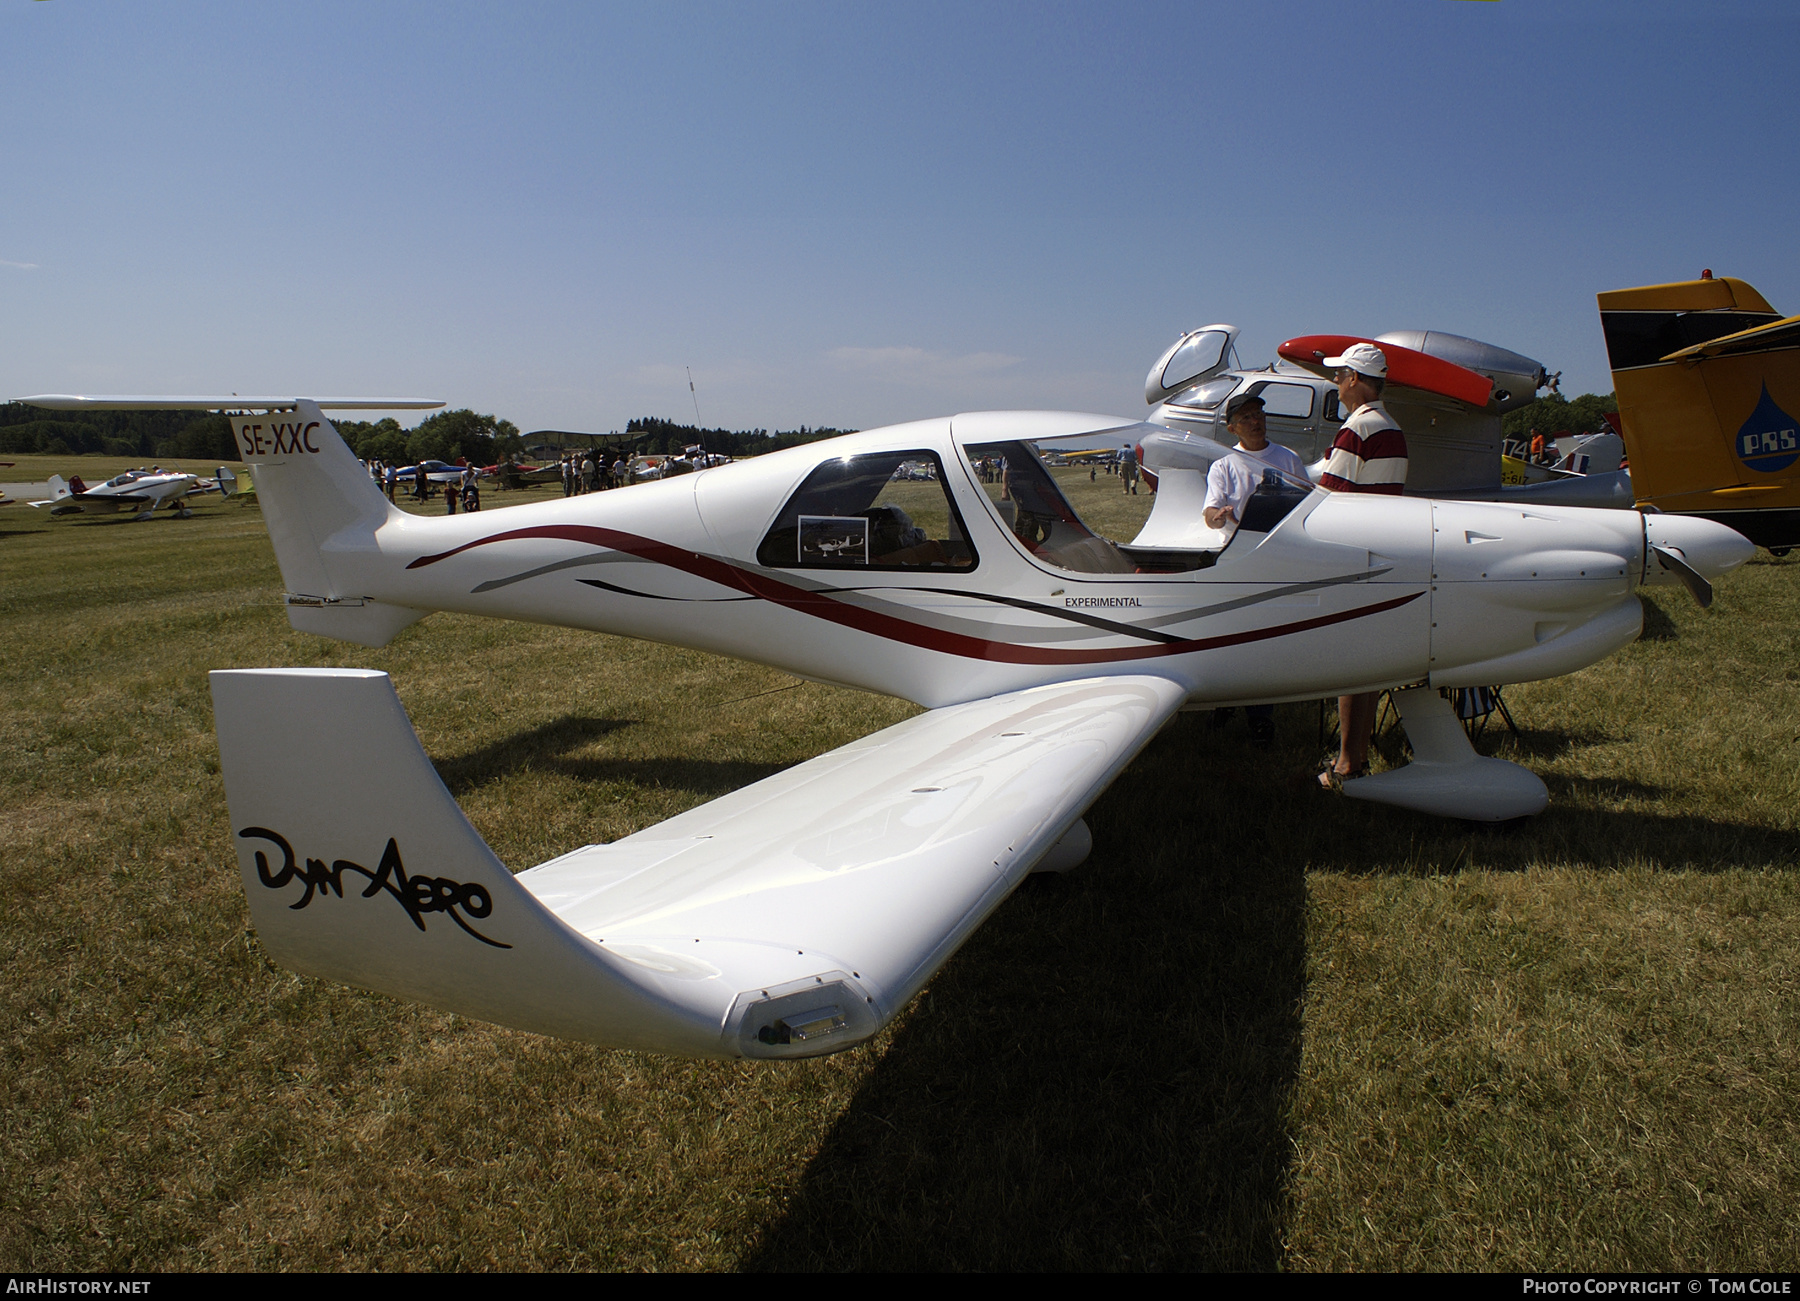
(855, 215)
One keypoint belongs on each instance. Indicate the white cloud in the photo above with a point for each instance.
(19, 266)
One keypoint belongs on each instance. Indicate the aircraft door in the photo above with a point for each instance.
(1198, 355)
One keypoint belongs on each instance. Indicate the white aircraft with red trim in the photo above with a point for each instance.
(798, 915)
(139, 491)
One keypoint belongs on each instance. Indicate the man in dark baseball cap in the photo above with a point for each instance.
(1230, 483)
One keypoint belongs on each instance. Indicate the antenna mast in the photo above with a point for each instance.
(698, 432)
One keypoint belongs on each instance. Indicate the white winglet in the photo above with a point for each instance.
(790, 918)
(358, 865)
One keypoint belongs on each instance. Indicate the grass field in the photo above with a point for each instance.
(1260, 1028)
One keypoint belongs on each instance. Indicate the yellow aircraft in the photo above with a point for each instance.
(1707, 376)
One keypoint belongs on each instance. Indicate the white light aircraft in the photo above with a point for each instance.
(139, 490)
(798, 915)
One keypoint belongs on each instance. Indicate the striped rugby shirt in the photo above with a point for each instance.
(1368, 455)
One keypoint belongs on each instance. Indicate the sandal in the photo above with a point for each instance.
(1330, 779)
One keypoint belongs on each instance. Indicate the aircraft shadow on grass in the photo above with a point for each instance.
(547, 749)
(1539, 743)
(1105, 1073)
(1657, 625)
(1102, 1080)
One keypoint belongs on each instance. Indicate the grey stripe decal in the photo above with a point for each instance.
(604, 558)
(1239, 603)
(654, 596)
(1140, 631)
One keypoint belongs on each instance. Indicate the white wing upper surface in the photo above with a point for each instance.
(817, 900)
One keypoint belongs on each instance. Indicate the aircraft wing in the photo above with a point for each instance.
(1761, 338)
(218, 402)
(1407, 368)
(89, 504)
(790, 918)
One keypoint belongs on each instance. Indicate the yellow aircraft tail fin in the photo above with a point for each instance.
(1707, 376)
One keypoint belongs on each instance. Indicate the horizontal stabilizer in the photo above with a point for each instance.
(1784, 333)
(790, 918)
(216, 402)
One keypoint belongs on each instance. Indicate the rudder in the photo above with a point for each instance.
(318, 499)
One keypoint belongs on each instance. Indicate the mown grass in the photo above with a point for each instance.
(1259, 1029)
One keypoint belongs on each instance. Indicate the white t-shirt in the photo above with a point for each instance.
(1234, 477)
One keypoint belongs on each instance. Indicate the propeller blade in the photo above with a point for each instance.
(1696, 582)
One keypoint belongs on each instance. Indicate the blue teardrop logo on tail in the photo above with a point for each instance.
(1770, 438)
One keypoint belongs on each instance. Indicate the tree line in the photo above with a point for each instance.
(484, 439)
(460, 435)
(656, 436)
(446, 436)
(154, 435)
(1556, 414)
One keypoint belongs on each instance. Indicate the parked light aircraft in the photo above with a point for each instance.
(798, 915)
(139, 490)
(1708, 376)
(435, 472)
(1446, 392)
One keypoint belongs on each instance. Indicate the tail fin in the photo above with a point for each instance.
(226, 480)
(318, 500)
(58, 488)
(1708, 375)
(359, 866)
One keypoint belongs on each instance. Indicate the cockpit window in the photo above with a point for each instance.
(1035, 511)
(882, 510)
(1209, 394)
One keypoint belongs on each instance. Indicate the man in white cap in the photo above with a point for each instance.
(1368, 455)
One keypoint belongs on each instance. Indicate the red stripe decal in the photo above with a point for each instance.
(821, 605)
